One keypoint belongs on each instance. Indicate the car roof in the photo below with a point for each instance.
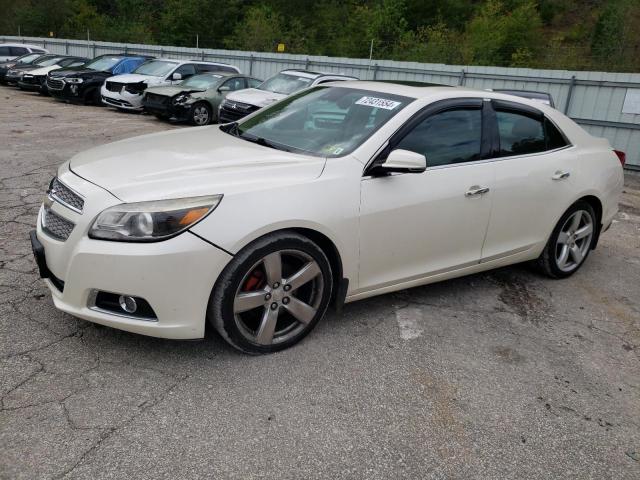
(203, 62)
(27, 45)
(312, 74)
(422, 92)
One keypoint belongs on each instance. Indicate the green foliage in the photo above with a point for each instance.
(570, 34)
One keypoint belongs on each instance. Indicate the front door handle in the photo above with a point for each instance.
(476, 190)
(560, 175)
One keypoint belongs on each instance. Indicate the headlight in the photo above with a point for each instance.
(151, 221)
(73, 80)
(182, 98)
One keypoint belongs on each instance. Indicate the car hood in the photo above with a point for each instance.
(44, 70)
(136, 78)
(189, 162)
(74, 72)
(25, 68)
(171, 91)
(254, 96)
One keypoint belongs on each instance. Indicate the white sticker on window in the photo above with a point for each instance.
(378, 103)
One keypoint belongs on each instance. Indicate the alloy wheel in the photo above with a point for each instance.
(574, 240)
(278, 297)
(200, 115)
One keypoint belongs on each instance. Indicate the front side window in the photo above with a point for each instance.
(449, 137)
(5, 52)
(51, 61)
(235, 84)
(323, 121)
(201, 82)
(155, 68)
(520, 134)
(186, 70)
(25, 59)
(285, 83)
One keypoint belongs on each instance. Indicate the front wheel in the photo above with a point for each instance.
(570, 242)
(272, 294)
(201, 114)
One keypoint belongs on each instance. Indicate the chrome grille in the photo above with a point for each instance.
(53, 84)
(56, 226)
(62, 194)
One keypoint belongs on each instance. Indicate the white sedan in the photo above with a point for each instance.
(334, 194)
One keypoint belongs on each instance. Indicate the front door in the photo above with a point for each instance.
(417, 225)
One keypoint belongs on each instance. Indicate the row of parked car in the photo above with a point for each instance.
(193, 91)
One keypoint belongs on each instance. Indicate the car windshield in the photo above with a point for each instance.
(285, 83)
(324, 121)
(43, 59)
(27, 58)
(201, 82)
(155, 68)
(50, 61)
(102, 64)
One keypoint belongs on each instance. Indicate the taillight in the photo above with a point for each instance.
(621, 156)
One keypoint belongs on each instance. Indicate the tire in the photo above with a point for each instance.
(252, 308)
(570, 243)
(96, 98)
(201, 114)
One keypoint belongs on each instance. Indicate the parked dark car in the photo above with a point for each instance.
(82, 85)
(36, 79)
(21, 62)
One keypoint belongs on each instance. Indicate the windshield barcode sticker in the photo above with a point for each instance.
(378, 103)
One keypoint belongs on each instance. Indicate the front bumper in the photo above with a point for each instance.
(71, 92)
(121, 99)
(174, 276)
(180, 112)
(33, 83)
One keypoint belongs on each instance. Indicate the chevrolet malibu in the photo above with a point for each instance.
(337, 193)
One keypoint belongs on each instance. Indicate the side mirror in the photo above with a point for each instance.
(402, 161)
(224, 88)
(176, 76)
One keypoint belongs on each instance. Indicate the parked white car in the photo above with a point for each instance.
(243, 102)
(335, 194)
(9, 51)
(126, 91)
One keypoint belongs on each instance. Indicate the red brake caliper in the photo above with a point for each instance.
(254, 282)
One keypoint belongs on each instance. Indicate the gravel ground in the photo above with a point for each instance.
(500, 375)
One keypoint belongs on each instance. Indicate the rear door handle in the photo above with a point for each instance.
(560, 175)
(476, 190)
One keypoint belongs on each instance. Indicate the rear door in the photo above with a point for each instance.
(533, 184)
(417, 225)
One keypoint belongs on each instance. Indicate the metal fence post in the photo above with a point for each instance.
(203, 55)
(306, 64)
(162, 52)
(567, 104)
(126, 48)
(250, 64)
(94, 49)
(462, 77)
(375, 71)
(66, 48)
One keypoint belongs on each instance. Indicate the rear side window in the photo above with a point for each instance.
(186, 70)
(5, 52)
(217, 68)
(17, 51)
(520, 134)
(449, 137)
(235, 84)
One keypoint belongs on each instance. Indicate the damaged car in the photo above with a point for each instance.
(125, 92)
(195, 100)
(82, 84)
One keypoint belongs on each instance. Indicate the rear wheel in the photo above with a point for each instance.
(570, 242)
(272, 294)
(201, 114)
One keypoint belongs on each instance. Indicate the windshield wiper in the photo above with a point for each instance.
(265, 143)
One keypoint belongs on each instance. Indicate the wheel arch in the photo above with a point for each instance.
(596, 204)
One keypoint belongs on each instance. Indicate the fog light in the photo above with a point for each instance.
(128, 304)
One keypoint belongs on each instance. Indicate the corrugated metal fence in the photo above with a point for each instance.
(606, 104)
